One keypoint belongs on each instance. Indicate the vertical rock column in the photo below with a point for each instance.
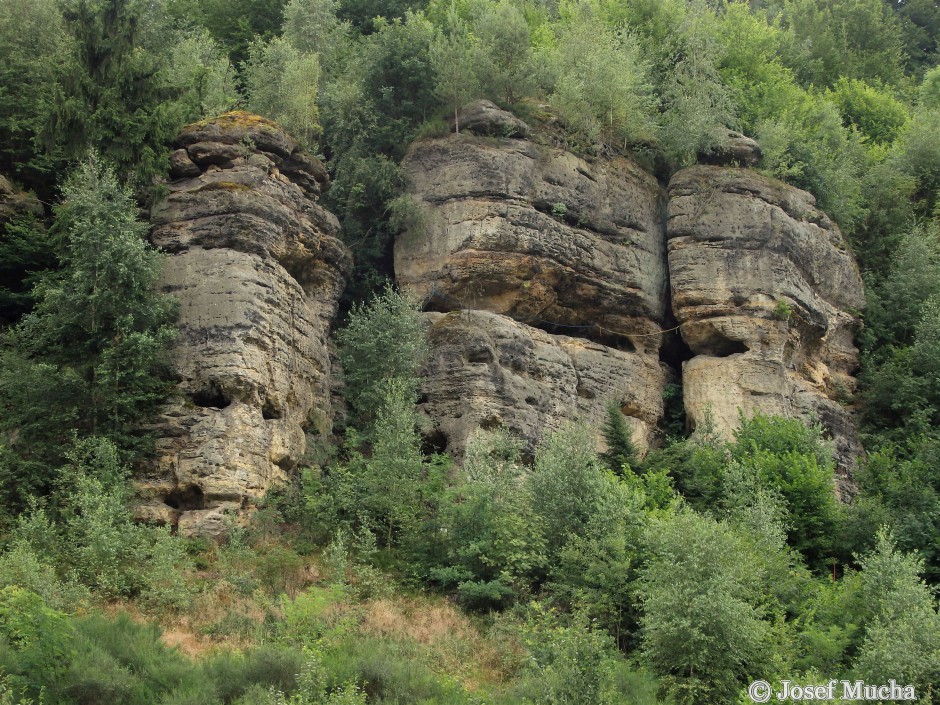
(768, 296)
(257, 269)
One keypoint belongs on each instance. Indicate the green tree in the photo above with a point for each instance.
(902, 633)
(697, 106)
(114, 94)
(621, 453)
(383, 340)
(505, 70)
(790, 458)
(282, 84)
(851, 38)
(26, 250)
(877, 114)
(602, 84)
(99, 333)
(452, 57)
(234, 24)
(203, 72)
(705, 628)
(494, 542)
(33, 48)
(391, 477)
(312, 27)
(567, 484)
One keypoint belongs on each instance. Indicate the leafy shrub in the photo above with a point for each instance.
(383, 340)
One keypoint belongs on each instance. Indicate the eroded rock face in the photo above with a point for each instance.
(483, 117)
(536, 234)
(551, 271)
(768, 297)
(487, 370)
(258, 270)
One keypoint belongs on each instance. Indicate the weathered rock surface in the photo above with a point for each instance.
(537, 234)
(483, 117)
(737, 150)
(551, 271)
(768, 296)
(487, 370)
(257, 268)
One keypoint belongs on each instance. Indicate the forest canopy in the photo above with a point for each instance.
(557, 574)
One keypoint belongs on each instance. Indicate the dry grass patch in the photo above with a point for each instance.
(452, 643)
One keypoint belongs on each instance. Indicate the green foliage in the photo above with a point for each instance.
(369, 16)
(705, 631)
(858, 39)
(205, 74)
(384, 340)
(902, 635)
(312, 26)
(33, 48)
(94, 347)
(453, 55)
(282, 84)
(601, 82)
(493, 542)
(391, 479)
(35, 641)
(807, 145)
(697, 106)
(116, 92)
(621, 453)
(877, 114)
(234, 24)
(26, 250)
(790, 457)
(567, 484)
(505, 58)
(575, 663)
(917, 154)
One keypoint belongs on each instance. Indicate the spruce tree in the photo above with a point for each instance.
(621, 453)
(115, 92)
(91, 357)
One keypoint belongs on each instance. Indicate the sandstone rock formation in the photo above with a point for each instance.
(736, 150)
(257, 268)
(559, 269)
(768, 297)
(483, 117)
(487, 370)
(547, 241)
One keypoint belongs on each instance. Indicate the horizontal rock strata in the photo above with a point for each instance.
(552, 272)
(487, 370)
(768, 296)
(537, 234)
(258, 270)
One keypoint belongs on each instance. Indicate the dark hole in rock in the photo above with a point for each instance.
(423, 399)
(722, 346)
(211, 397)
(434, 442)
(270, 411)
(585, 393)
(531, 401)
(186, 498)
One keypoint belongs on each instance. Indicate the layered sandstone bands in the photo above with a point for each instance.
(258, 270)
(560, 264)
(768, 297)
(556, 249)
